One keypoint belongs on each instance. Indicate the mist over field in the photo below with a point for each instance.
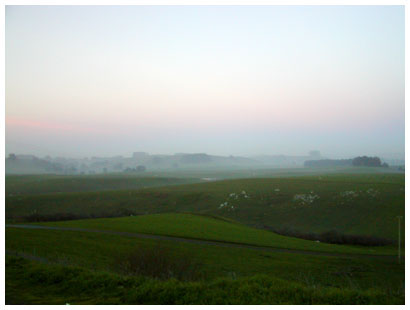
(204, 155)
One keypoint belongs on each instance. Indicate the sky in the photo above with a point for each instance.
(241, 80)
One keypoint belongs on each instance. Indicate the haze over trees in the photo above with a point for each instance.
(360, 161)
(141, 162)
(367, 161)
(207, 154)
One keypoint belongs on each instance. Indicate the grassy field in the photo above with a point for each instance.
(98, 252)
(70, 285)
(351, 204)
(208, 228)
(81, 267)
(46, 184)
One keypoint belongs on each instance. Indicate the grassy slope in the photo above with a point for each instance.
(207, 228)
(33, 283)
(291, 278)
(99, 252)
(366, 213)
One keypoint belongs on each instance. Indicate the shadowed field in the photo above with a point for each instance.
(173, 242)
(350, 204)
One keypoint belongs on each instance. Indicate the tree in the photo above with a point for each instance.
(367, 161)
(12, 156)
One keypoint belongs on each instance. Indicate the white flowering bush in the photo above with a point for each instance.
(228, 204)
(306, 199)
(349, 194)
(372, 192)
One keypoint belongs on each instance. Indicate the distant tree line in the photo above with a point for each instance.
(38, 163)
(360, 161)
(368, 162)
(139, 168)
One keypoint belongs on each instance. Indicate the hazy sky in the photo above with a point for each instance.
(242, 80)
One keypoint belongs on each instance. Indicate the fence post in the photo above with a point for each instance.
(399, 248)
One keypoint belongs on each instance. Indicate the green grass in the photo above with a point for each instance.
(372, 210)
(99, 252)
(81, 267)
(51, 183)
(62, 285)
(208, 228)
(362, 276)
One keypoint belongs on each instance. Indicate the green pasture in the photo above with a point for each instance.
(99, 252)
(34, 283)
(208, 228)
(76, 267)
(349, 203)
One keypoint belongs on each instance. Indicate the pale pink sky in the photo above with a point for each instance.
(84, 81)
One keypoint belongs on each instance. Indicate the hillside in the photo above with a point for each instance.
(90, 266)
(352, 204)
(208, 228)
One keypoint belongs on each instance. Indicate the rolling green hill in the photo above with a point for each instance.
(56, 255)
(351, 204)
(208, 228)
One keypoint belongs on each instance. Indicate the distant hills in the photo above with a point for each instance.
(30, 164)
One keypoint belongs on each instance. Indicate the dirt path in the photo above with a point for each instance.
(200, 241)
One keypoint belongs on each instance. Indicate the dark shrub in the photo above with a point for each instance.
(332, 236)
(55, 217)
(367, 161)
(35, 217)
(157, 262)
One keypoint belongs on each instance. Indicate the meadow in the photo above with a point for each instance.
(210, 228)
(96, 252)
(348, 203)
(214, 237)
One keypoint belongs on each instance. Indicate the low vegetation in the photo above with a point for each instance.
(55, 217)
(333, 236)
(350, 204)
(209, 228)
(53, 284)
(158, 262)
(98, 251)
(247, 264)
